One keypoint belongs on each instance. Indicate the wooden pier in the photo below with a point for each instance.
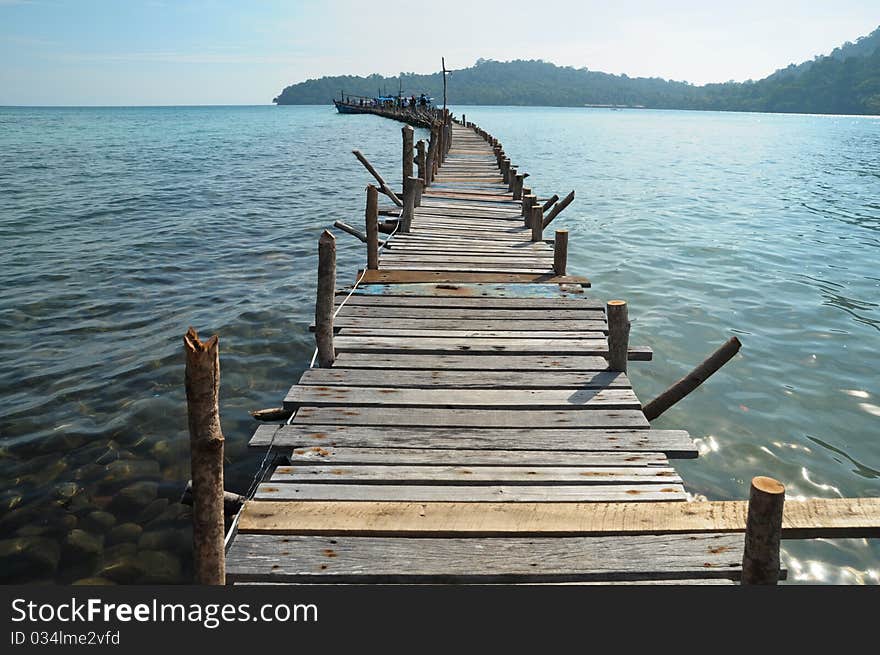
(472, 421)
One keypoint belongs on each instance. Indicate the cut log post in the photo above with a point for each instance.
(560, 252)
(464, 119)
(420, 187)
(692, 380)
(550, 202)
(518, 186)
(618, 334)
(232, 502)
(324, 300)
(505, 169)
(558, 209)
(537, 220)
(527, 201)
(409, 203)
(202, 380)
(385, 189)
(271, 414)
(371, 220)
(345, 227)
(420, 159)
(407, 133)
(511, 178)
(760, 563)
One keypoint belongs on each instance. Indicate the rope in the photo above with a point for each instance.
(264, 465)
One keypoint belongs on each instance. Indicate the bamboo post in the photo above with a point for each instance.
(560, 252)
(692, 380)
(537, 220)
(760, 563)
(407, 132)
(371, 217)
(202, 379)
(618, 334)
(409, 203)
(518, 186)
(324, 300)
(511, 178)
(420, 158)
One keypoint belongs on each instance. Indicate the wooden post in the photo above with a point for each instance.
(371, 217)
(560, 252)
(324, 300)
(618, 334)
(420, 158)
(692, 380)
(528, 200)
(550, 202)
(518, 186)
(505, 169)
(464, 119)
(407, 132)
(420, 186)
(429, 160)
(537, 220)
(409, 203)
(558, 208)
(385, 189)
(511, 178)
(202, 380)
(760, 563)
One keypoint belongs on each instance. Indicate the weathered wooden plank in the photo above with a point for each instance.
(472, 475)
(445, 324)
(487, 293)
(524, 363)
(347, 377)
(472, 418)
(673, 443)
(802, 519)
(439, 345)
(475, 302)
(335, 455)
(439, 311)
(391, 397)
(583, 493)
(407, 277)
(468, 268)
(476, 334)
(257, 558)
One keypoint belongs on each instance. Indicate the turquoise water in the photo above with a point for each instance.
(121, 227)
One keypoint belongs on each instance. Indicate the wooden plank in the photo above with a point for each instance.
(476, 334)
(472, 418)
(512, 363)
(673, 443)
(255, 558)
(439, 311)
(468, 268)
(440, 345)
(472, 475)
(486, 293)
(347, 377)
(802, 519)
(584, 493)
(390, 397)
(406, 277)
(475, 302)
(498, 324)
(335, 455)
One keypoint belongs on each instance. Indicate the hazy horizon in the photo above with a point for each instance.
(217, 52)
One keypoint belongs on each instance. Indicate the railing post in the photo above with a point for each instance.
(325, 299)
(511, 178)
(760, 564)
(505, 169)
(618, 334)
(409, 203)
(420, 186)
(407, 132)
(518, 186)
(537, 221)
(560, 252)
(420, 158)
(371, 218)
(527, 201)
(206, 457)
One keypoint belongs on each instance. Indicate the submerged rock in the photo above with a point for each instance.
(160, 567)
(92, 582)
(28, 558)
(98, 521)
(153, 510)
(125, 532)
(133, 497)
(81, 545)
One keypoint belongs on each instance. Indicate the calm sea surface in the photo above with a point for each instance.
(122, 227)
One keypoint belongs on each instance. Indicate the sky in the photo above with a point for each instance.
(180, 52)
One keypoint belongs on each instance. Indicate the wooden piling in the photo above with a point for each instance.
(206, 457)
(760, 563)
(618, 334)
(537, 222)
(505, 169)
(560, 252)
(511, 178)
(528, 201)
(420, 187)
(371, 218)
(518, 186)
(409, 203)
(325, 299)
(407, 132)
(420, 159)
(693, 379)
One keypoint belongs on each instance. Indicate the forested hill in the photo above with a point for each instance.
(845, 82)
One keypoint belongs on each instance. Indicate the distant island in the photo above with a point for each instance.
(847, 81)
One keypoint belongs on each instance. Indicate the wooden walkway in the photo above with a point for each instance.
(470, 429)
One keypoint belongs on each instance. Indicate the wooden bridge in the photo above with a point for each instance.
(471, 418)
